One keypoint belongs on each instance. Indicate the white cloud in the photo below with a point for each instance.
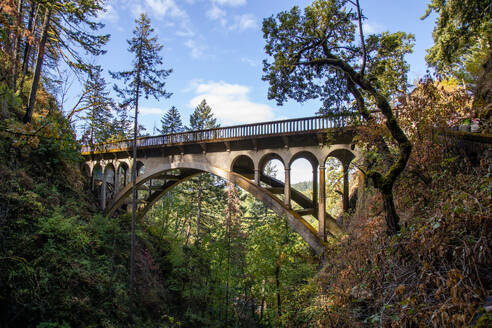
(165, 7)
(232, 3)
(230, 102)
(250, 62)
(244, 22)
(197, 50)
(372, 28)
(108, 14)
(151, 111)
(215, 13)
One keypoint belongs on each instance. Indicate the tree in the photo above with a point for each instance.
(99, 105)
(202, 118)
(145, 78)
(462, 36)
(171, 122)
(314, 50)
(72, 31)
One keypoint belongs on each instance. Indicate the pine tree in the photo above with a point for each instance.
(202, 118)
(72, 31)
(99, 104)
(171, 122)
(146, 78)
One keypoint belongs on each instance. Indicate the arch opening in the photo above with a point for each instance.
(339, 176)
(188, 170)
(109, 181)
(244, 165)
(304, 181)
(123, 175)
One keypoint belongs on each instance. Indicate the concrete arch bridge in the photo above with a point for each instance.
(237, 154)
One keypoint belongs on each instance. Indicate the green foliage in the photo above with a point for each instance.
(9, 101)
(146, 76)
(462, 37)
(308, 49)
(202, 117)
(171, 122)
(98, 106)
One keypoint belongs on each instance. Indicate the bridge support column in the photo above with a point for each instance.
(346, 186)
(103, 192)
(321, 204)
(287, 188)
(315, 188)
(257, 177)
(116, 181)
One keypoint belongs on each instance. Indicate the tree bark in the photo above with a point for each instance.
(199, 209)
(382, 182)
(27, 48)
(39, 64)
(392, 218)
(134, 188)
(17, 42)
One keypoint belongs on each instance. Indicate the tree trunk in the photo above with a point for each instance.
(199, 209)
(27, 47)
(134, 191)
(17, 42)
(39, 64)
(392, 218)
(277, 283)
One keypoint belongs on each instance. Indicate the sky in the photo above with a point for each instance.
(216, 48)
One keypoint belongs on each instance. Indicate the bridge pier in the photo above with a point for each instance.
(315, 188)
(257, 177)
(321, 204)
(287, 188)
(103, 193)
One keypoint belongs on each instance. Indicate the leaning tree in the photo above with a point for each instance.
(321, 53)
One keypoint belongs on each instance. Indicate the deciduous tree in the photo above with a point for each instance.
(315, 50)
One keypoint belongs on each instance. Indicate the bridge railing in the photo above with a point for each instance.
(290, 126)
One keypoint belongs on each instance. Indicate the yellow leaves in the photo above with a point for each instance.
(400, 289)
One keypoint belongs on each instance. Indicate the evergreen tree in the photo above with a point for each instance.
(72, 29)
(146, 78)
(202, 118)
(171, 122)
(99, 115)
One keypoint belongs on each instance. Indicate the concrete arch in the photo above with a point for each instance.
(310, 157)
(123, 175)
(140, 168)
(97, 172)
(344, 155)
(243, 164)
(268, 157)
(295, 221)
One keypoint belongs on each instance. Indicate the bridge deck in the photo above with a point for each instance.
(223, 134)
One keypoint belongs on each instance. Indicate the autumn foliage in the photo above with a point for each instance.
(435, 272)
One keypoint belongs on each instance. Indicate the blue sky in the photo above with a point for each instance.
(215, 48)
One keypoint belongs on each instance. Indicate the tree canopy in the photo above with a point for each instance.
(462, 36)
(316, 55)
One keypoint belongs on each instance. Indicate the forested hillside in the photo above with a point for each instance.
(417, 244)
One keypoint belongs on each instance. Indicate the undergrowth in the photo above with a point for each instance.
(434, 273)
